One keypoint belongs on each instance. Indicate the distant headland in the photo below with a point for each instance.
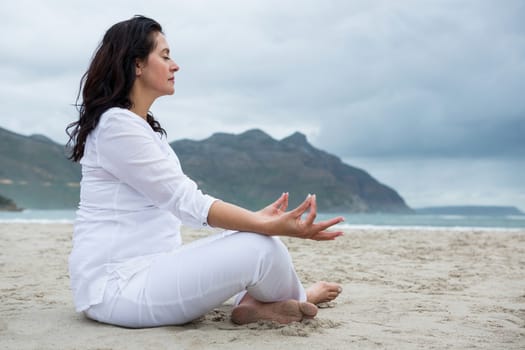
(7, 204)
(471, 210)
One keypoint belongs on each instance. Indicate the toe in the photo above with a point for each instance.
(308, 310)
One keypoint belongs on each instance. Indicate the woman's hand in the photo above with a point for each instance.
(275, 220)
(292, 224)
(276, 208)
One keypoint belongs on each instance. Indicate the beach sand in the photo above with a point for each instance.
(403, 289)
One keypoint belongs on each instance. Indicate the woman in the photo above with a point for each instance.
(128, 266)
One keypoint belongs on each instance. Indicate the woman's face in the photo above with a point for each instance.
(157, 73)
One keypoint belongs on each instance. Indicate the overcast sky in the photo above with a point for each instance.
(427, 96)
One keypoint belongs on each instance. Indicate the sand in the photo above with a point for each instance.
(403, 289)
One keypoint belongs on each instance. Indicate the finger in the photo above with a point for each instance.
(302, 207)
(313, 211)
(327, 235)
(278, 203)
(284, 204)
(323, 225)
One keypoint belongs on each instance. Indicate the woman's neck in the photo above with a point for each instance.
(141, 103)
(142, 112)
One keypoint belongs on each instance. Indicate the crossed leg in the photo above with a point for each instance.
(251, 310)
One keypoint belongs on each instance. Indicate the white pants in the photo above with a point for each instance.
(181, 286)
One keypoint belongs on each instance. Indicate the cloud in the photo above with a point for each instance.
(434, 84)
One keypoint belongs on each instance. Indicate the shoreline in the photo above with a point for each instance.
(352, 221)
(401, 289)
(343, 227)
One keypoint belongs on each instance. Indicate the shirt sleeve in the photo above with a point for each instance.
(128, 150)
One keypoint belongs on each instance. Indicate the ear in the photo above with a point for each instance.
(139, 65)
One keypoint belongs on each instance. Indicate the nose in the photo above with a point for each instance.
(174, 67)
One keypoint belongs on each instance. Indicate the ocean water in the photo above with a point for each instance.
(429, 221)
(375, 221)
(37, 216)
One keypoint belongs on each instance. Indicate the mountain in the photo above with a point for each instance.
(35, 173)
(474, 210)
(251, 169)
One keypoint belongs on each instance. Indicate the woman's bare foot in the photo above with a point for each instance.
(251, 310)
(322, 292)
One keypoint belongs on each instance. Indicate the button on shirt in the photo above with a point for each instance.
(133, 199)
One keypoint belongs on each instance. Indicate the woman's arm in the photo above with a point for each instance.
(273, 220)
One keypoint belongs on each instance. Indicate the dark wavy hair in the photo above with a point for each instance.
(108, 80)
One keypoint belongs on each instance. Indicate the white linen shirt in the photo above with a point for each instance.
(133, 199)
